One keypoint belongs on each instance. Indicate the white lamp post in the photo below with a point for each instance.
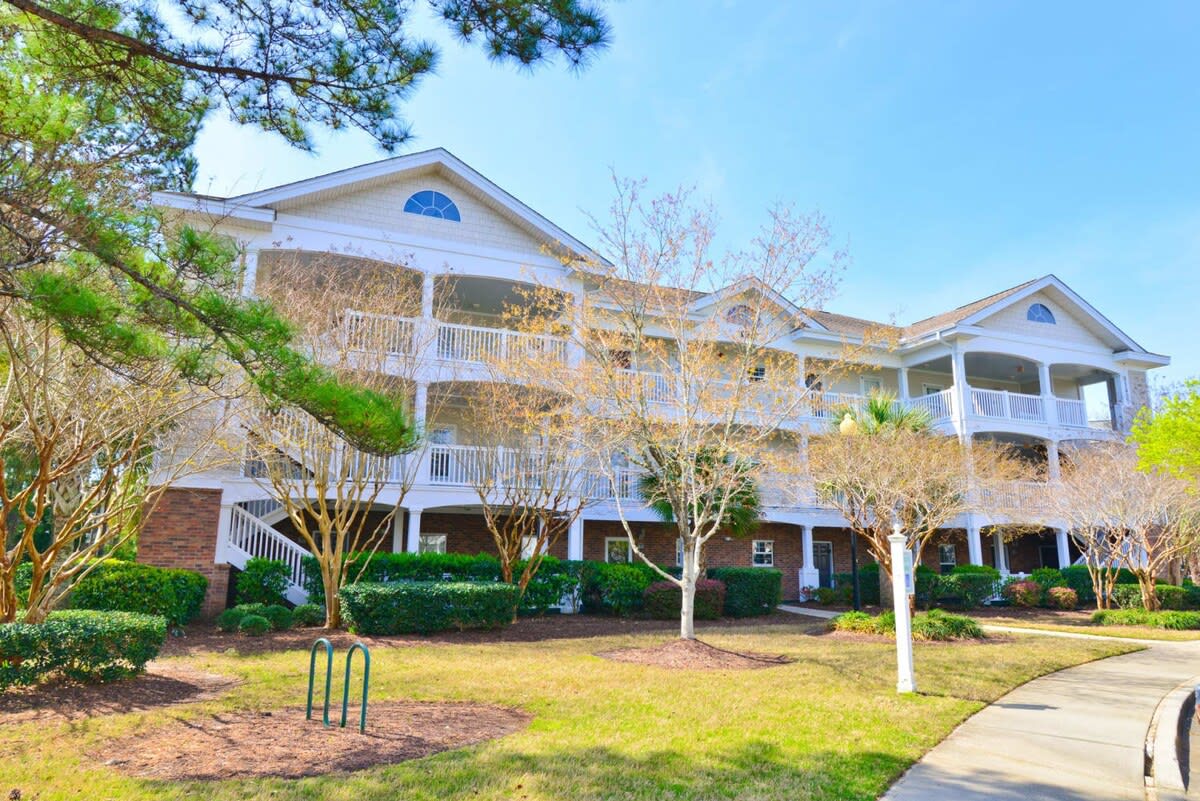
(902, 587)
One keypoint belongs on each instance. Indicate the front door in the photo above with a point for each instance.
(823, 562)
(439, 458)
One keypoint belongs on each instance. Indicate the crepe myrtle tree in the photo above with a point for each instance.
(895, 470)
(348, 312)
(1125, 514)
(677, 362)
(100, 106)
(84, 452)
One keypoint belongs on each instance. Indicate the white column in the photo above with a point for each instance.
(998, 549)
(902, 377)
(960, 395)
(249, 272)
(398, 531)
(427, 296)
(974, 544)
(574, 349)
(414, 530)
(575, 540)
(1047, 392)
(1064, 547)
(905, 680)
(420, 403)
(224, 525)
(1053, 464)
(809, 575)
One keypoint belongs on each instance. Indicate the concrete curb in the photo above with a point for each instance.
(1167, 743)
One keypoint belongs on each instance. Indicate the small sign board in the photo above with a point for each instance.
(909, 586)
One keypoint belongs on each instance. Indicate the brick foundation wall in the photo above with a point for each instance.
(468, 533)
(181, 531)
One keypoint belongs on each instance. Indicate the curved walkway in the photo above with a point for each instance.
(1075, 735)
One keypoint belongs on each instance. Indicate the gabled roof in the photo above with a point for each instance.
(753, 285)
(953, 317)
(264, 201)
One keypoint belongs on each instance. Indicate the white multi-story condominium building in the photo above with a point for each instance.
(1034, 365)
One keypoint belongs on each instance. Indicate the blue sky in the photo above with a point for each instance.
(957, 148)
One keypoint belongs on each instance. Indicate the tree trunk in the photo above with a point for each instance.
(687, 606)
(333, 604)
(1149, 596)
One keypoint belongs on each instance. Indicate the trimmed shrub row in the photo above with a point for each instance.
(1164, 619)
(262, 581)
(276, 617)
(966, 587)
(749, 591)
(932, 625)
(663, 600)
(117, 586)
(84, 645)
(426, 607)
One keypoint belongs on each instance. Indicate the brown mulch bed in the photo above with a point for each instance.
(282, 743)
(695, 655)
(201, 638)
(161, 685)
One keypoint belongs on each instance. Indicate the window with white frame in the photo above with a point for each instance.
(616, 549)
(433, 543)
(758, 372)
(763, 554)
(870, 386)
(947, 558)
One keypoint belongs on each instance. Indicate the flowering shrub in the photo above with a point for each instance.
(1062, 598)
(1023, 593)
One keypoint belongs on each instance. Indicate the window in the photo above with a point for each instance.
(679, 552)
(616, 549)
(758, 372)
(432, 543)
(812, 382)
(931, 389)
(428, 203)
(621, 359)
(740, 315)
(764, 553)
(946, 558)
(1038, 313)
(871, 386)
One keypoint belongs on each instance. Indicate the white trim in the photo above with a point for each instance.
(217, 208)
(435, 157)
(926, 386)
(422, 541)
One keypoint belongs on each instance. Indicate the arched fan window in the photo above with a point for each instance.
(429, 203)
(1038, 313)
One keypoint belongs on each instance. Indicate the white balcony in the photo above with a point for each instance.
(1003, 405)
(378, 332)
(476, 344)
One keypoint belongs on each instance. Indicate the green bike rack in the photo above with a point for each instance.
(362, 718)
(312, 666)
(312, 673)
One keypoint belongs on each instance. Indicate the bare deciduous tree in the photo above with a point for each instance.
(1121, 514)
(679, 362)
(78, 443)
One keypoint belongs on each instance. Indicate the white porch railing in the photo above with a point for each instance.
(471, 343)
(378, 332)
(829, 404)
(622, 484)
(251, 537)
(998, 403)
(655, 387)
(936, 405)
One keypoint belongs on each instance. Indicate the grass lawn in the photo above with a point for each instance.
(828, 726)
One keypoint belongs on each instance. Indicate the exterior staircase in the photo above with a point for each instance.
(251, 535)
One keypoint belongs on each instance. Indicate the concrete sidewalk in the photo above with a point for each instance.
(1075, 735)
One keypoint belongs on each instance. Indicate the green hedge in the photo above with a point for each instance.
(1170, 619)
(616, 588)
(83, 645)
(426, 607)
(1078, 579)
(554, 578)
(116, 586)
(868, 584)
(663, 599)
(749, 591)
(262, 581)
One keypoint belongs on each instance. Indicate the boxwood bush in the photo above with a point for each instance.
(254, 625)
(308, 615)
(426, 607)
(616, 588)
(84, 645)
(262, 581)
(118, 586)
(932, 625)
(663, 599)
(279, 616)
(749, 591)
